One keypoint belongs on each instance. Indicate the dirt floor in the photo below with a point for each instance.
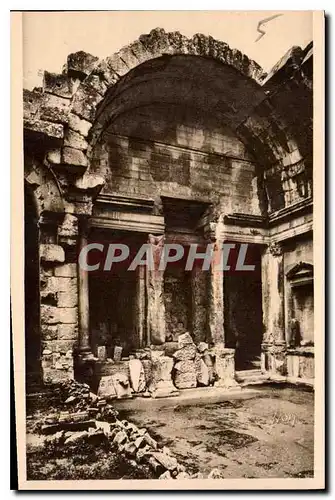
(268, 433)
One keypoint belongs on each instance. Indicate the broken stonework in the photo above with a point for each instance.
(201, 370)
(189, 351)
(52, 253)
(161, 382)
(137, 377)
(184, 339)
(122, 386)
(185, 374)
(106, 387)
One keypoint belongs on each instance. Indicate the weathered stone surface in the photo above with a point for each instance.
(31, 103)
(54, 156)
(215, 474)
(189, 351)
(79, 125)
(68, 314)
(49, 314)
(76, 438)
(89, 182)
(117, 353)
(56, 84)
(202, 372)
(67, 331)
(85, 102)
(69, 227)
(81, 63)
(49, 332)
(161, 383)
(120, 438)
(54, 130)
(122, 385)
(147, 367)
(224, 367)
(185, 374)
(75, 157)
(75, 140)
(137, 377)
(52, 253)
(54, 109)
(202, 347)
(67, 299)
(184, 339)
(106, 387)
(66, 271)
(170, 463)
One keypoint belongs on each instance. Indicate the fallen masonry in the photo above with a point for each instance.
(89, 420)
(161, 371)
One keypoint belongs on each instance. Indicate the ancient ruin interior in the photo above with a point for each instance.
(170, 140)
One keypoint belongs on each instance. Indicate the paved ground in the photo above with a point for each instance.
(254, 434)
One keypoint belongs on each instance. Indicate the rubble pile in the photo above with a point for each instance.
(158, 371)
(84, 419)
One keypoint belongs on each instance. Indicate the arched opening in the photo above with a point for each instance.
(31, 293)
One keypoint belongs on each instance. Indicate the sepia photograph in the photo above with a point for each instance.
(168, 328)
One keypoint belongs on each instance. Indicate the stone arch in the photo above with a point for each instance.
(69, 106)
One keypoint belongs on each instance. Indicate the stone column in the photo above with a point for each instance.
(140, 307)
(273, 344)
(215, 299)
(84, 347)
(155, 295)
(199, 304)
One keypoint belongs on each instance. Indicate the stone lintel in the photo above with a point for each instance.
(128, 221)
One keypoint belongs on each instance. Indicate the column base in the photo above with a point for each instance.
(224, 367)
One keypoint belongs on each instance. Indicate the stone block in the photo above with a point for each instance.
(81, 63)
(185, 374)
(54, 156)
(189, 351)
(31, 103)
(58, 346)
(67, 331)
(137, 376)
(122, 385)
(117, 354)
(75, 140)
(147, 364)
(49, 314)
(58, 284)
(68, 314)
(85, 102)
(66, 271)
(49, 332)
(68, 298)
(184, 339)
(161, 382)
(106, 387)
(101, 351)
(185, 380)
(79, 125)
(202, 347)
(69, 226)
(57, 84)
(53, 130)
(75, 157)
(51, 253)
(201, 370)
(55, 109)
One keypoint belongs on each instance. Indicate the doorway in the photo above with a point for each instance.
(243, 310)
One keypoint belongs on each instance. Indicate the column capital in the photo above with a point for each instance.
(275, 249)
